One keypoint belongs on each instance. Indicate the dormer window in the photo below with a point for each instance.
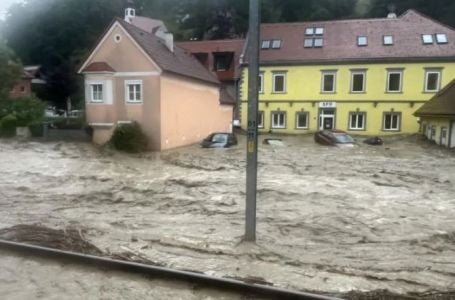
(388, 40)
(276, 44)
(362, 41)
(314, 37)
(427, 39)
(441, 38)
(265, 44)
(309, 31)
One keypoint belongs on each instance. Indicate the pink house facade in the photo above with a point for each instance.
(136, 73)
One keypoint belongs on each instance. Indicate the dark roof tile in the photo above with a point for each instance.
(340, 40)
(442, 104)
(179, 62)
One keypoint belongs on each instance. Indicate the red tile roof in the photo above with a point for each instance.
(340, 41)
(442, 104)
(178, 62)
(98, 67)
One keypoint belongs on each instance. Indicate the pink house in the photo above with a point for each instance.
(136, 73)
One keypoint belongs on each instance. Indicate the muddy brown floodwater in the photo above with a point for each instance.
(329, 220)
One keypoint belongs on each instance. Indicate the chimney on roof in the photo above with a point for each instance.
(392, 14)
(169, 41)
(167, 38)
(130, 14)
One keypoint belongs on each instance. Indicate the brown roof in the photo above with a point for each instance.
(99, 67)
(226, 98)
(340, 40)
(147, 24)
(178, 62)
(213, 46)
(442, 104)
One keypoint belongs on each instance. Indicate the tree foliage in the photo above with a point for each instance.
(10, 70)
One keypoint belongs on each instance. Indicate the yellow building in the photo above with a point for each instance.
(362, 76)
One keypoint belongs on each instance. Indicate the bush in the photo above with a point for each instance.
(27, 110)
(129, 138)
(8, 126)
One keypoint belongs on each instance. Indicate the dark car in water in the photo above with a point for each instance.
(219, 140)
(334, 138)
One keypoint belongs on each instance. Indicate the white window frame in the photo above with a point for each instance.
(388, 40)
(278, 126)
(274, 76)
(129, 83)
(391, 121)
(92, 84)
(261, 113)
(362, 38)
(391, 72)
(441, 38)
(427, 39)
(364, 74)
(427, 76)
(297, 119)
(266, 44)
(276, 44)
(334, 88)
(356, 114)
(261, 82)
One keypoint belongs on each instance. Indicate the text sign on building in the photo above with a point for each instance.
(327, 104)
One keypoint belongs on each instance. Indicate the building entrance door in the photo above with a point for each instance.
(327, 119)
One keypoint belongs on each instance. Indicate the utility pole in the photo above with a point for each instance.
(252, 134)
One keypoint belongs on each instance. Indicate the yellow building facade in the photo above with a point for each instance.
(363, 76)
(319, 97)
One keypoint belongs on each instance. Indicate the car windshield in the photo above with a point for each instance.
(343, 138)
(219, 138)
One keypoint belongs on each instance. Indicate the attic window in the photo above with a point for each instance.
(265, 44)
(362, 41)
(117, 38)
(314, 37)
(388, 40)
(276, 44)
(427, 39)
(441, 38)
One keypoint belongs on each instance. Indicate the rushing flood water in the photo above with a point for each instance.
(330, 220)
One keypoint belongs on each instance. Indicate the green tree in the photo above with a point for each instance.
(10, 70)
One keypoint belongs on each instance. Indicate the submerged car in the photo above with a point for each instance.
(374, 141)
(219, 140)
(334, 138)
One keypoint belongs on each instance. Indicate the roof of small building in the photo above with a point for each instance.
(340, 40)
(99, 67)
(442, 104)
(147, 24)
(226, 98)
(178, 62)
(234, 45)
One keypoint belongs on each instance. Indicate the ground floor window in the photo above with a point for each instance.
(96, 91)
(260, 119)
(302, 120)
(133, 91)
(278, 120)
(392, 121)
(357, 120)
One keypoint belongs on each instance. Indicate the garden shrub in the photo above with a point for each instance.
(27, 110)
(8, 125)
(129, 138)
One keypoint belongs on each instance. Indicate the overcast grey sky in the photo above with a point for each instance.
(4, 5)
